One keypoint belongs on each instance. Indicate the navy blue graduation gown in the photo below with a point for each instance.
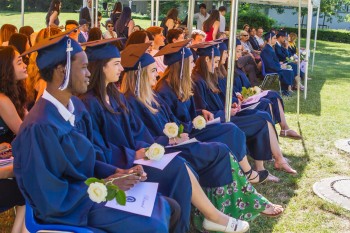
(210, 160)
(272, 65)
(124, 133)
(282, 54)
(264, 103)
(252, 122)
(241, 80)
(52, 161)
(185, 112)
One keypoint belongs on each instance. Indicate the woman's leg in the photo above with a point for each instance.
(280, 162)
(285, 131)
(202, 203)
(18, 225)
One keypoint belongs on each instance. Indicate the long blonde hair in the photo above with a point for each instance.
(146, 94)
(181, 87)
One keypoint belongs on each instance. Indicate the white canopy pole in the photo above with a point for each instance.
(299, 38)
(152, 12)
(96, 13)
(130, 4)
(315, 41)
(22, 12)
(231, 59)
(308, 38)
(157, 12)
(190, 14)
(92, 15)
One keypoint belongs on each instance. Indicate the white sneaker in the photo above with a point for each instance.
(233, 226)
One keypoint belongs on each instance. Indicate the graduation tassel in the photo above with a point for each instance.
(212, 60)
(182, 67)
(68, 66)
(137, 87)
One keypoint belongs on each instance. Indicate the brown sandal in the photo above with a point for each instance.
(288, 133)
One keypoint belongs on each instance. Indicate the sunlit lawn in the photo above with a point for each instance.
(324, 118)
(37, 19)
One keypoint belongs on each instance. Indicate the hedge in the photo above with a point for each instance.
(342, 36)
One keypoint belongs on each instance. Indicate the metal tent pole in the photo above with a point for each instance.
(315, 41)
(96, 13)
(22, 13)
(92, 15)
(152, 12)
(299, 38)
(308, 38)
(231, 59)
(157, 13)
(190, 15)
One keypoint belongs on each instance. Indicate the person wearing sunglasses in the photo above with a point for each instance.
(110, 33)
(71, 24)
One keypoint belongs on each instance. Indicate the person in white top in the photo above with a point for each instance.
(109, 33)
(201, 16)
(258, 36)
(222, 10)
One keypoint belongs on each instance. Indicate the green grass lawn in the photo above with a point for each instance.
(37, 19)
(324, 118)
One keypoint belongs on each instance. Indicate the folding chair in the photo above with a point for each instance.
(33, 226)
(269, 78)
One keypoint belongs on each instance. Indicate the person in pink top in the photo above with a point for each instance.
(158, 41)
(211, 25)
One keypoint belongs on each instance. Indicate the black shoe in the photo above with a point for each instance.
(286, 93)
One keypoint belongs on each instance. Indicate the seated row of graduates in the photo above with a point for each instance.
(117, 128)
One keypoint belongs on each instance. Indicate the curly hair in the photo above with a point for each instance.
(9, 86)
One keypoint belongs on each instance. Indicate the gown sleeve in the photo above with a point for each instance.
(48, 187)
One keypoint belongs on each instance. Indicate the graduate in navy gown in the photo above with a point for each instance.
(119, 131)
(258, 126)
(269, 101)
(54, 154)
(155, 113)
(272, 64)
(177, 93)
(284, 54)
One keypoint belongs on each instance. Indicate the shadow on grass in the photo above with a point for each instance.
(282, 192)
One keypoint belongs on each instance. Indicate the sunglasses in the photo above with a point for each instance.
(245, 35)
(110, 26)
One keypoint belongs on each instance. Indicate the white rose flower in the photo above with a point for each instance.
(155, 152)
(292, 58)
(97, 192)
(257, 89)
(171, 130)
(199, 122)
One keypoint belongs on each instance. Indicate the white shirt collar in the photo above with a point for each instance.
(67, 114)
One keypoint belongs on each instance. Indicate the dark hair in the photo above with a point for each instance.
(95, 34)
(71, 21)
(98, 86)
(54, 6)
(124, 18)
(149, 35)
(19, 41)
(245, 25)
(173, 13)
(222, 8)
(6, 32)
(210, 79)
(117, 7)
(174, 34)
(15, 90)
(137, 37)
(214, 16)
(202, 5)
(27, 30)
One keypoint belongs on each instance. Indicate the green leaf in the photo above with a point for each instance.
(110, 193)
(114, 187)
(121, 197)
(93, 180)
(181, 130)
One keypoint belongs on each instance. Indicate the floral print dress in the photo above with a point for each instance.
(238, 199)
